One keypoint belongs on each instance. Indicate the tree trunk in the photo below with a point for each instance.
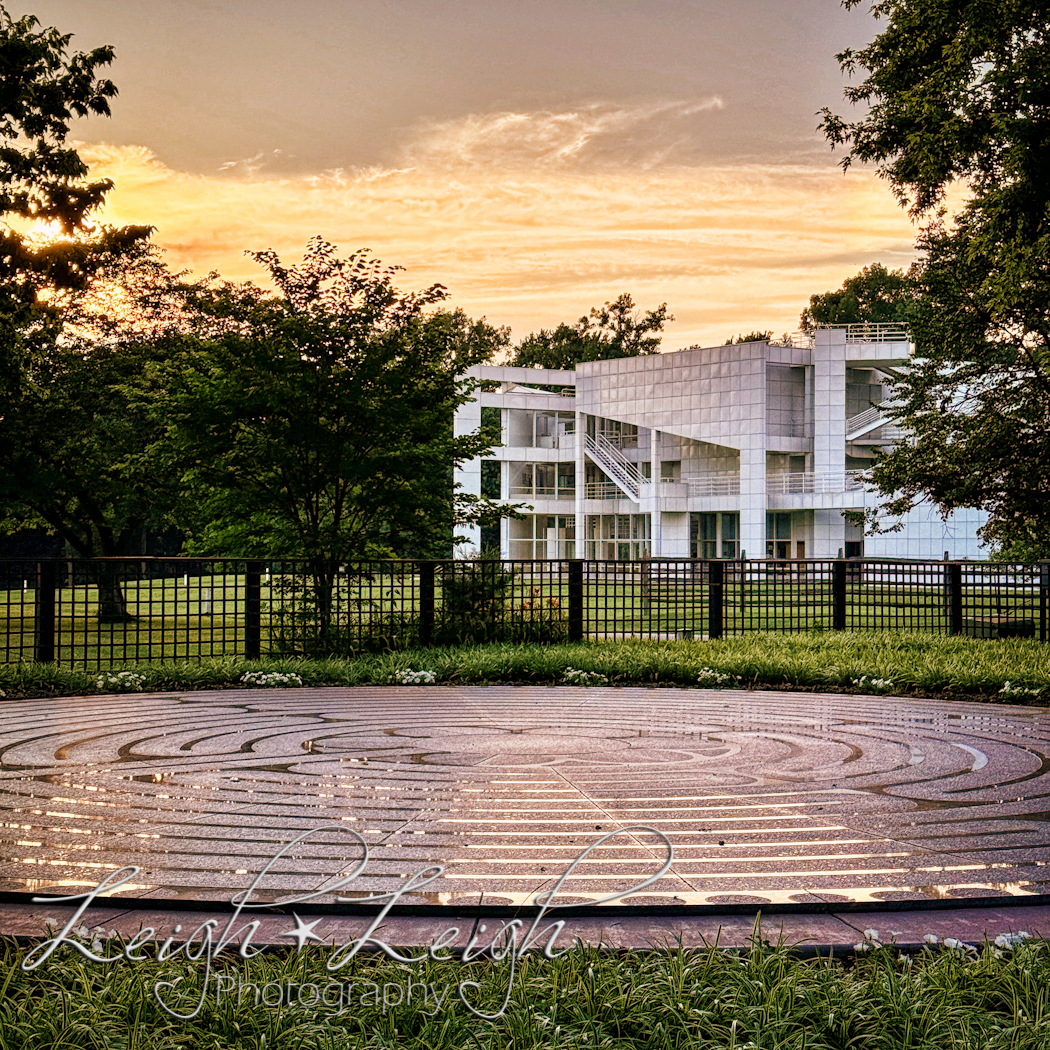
(324, 593)
(112, 605)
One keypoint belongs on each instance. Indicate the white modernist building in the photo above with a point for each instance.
(748, 450)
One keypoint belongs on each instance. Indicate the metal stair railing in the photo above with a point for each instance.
(620, 470)
(872, 419)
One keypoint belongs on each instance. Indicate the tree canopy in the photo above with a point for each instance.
(317, 423)
(613, 330)
(70, 440)
(749, 337)
(875, 294)
(43, 87)
(958, 94)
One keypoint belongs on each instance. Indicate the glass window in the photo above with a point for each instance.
(778, 526)
(730, 535)
(566, 480)
(544, 479)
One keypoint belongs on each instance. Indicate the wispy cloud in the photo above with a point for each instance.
(249, 167)
(529, 219)
(596, 134)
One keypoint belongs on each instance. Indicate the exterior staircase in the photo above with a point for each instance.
(620, 470)
(872, 419)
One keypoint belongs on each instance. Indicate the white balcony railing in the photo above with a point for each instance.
(804, 483)
(541, 492)
(602, 490)
(713, 485)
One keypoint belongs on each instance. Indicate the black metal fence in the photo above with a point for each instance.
(105, 612)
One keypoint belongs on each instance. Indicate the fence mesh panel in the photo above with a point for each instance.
(108, 612)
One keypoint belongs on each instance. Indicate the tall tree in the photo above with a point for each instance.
(317, 423)
(958, 94)
(43, 180)
(58, 419)
(613, 330)
(73, 440)
(875, 294)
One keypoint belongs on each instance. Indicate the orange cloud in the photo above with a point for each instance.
(528, 221)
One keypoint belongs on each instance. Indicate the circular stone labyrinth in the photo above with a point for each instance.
(765, 797)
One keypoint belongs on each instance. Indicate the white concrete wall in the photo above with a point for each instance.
(730, 409)
(468, 475)
(674, 535)
(829, 395)
(714, 394)
(925, 535)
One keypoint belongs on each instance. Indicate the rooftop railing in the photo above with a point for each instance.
(873, 332)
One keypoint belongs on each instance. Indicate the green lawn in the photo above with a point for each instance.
(907, 663)
(203, 617)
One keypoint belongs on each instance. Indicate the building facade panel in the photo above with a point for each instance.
(746, 450)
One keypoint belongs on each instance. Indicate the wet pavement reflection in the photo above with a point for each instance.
(766, 797)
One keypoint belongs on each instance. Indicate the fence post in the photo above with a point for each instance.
(838, 594)
(44, 615)
(426, 602)
(253, 610)
(1044, 591)
(575, 600)
(954, 598)
(716, 575)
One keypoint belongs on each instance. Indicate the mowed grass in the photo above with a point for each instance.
(201, 617)
(904, 663)
(765, 997)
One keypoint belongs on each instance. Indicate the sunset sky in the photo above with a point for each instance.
(537, 157)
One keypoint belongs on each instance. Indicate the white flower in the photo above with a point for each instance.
(1011, 940)
(1019, 690)
(271, 680)
(930, 938)
(876, 684)
(410, 677)
(574, 677)
(872, 935)
(121, 681)
(708, 676)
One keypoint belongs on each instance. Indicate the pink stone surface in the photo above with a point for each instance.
(767, 798)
